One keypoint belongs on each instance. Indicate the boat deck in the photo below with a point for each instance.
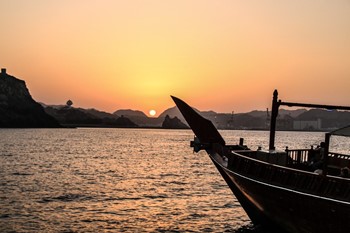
(296, 174)
(297, 158)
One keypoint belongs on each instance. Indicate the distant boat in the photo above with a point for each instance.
(296, 191)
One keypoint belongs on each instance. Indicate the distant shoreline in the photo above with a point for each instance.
(158, 127)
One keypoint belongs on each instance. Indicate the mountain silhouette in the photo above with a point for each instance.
(18, 109)
(79, 117)
(129, 112)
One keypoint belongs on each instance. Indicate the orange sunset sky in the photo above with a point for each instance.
(223, 55)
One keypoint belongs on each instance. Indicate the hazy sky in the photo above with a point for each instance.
(223, 55)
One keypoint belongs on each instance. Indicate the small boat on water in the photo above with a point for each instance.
(295, 191)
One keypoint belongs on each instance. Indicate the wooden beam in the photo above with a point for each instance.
(289, 104)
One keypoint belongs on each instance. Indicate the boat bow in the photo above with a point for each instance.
(204, 129)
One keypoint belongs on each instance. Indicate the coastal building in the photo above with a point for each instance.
(307, 125)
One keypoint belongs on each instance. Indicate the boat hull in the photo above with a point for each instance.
(283, 208)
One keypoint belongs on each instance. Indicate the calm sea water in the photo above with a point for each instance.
(121, 180)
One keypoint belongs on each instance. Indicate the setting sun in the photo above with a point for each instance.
(152, 112)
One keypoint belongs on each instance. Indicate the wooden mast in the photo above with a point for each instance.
(325, 153)
(274, 114)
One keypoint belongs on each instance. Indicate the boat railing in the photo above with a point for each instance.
(339, 156)
(338, 160)
(293, 179)
(298, 156)
(304, 156)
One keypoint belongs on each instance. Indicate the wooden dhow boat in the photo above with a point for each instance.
(280, 189)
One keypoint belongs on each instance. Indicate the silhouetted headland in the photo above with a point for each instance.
(17, 107)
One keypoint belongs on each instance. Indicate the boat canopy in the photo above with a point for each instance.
(345, 131)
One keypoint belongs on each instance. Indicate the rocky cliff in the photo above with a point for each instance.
(173, 123)
(17, 107)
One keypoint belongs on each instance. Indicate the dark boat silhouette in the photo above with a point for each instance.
(280, 189)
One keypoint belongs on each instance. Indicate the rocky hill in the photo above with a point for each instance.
(173, 123)
(139, 118)
(330, 118)
(79, 117)
(171, 112)
(129, 112)
(175, 112)
(17, 107)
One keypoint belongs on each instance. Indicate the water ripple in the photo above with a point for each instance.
(103, 180)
